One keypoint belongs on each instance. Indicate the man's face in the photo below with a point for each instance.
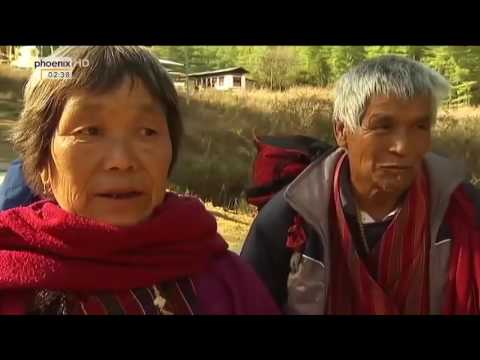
(387, 150)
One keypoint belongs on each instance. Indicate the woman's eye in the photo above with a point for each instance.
(148, 132)
(89, 131)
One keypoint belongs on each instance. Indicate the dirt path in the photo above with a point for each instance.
(6, 152)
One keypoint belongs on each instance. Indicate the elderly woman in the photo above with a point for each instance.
(107, 238)
(380, 225)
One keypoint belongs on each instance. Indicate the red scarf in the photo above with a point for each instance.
(45, 247)
(463, 288)
(401, 263)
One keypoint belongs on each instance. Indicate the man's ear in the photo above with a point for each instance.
(340, 131)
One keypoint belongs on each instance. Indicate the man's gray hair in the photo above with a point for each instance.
(385, 76)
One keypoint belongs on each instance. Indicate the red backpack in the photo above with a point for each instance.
(279, 160)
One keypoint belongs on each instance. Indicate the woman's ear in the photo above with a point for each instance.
(46, 177)
(340, 133)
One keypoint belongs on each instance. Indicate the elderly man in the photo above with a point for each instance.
(380, 225)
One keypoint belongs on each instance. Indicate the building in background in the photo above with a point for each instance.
(25, 56)
(224, 79)
(176, 72)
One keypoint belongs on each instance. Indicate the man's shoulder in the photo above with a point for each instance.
(277, 213)
(473, 194)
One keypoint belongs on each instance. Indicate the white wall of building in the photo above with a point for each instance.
(228, 82)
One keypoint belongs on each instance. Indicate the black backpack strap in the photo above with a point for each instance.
(265, 247)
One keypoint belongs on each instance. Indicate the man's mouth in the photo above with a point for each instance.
(395, 167)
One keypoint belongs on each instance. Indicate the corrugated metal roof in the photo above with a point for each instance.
(221, 71)
(168, 62)
(176, 73)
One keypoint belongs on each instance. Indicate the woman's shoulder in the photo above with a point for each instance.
(230, 286)
(228, 268)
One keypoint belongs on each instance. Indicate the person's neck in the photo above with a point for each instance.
(378, 204)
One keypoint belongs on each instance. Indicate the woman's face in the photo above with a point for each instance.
(110, 155)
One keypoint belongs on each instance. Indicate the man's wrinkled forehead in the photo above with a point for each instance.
(388, 101)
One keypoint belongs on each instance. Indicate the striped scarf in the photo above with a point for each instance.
(463, 287)
(168, 298)
(394, 279)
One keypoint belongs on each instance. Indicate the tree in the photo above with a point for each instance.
(219, 57)
(459, 65)
(317, 66)
(278, 67)
(342, 58)
(414, 52)
(249, 57)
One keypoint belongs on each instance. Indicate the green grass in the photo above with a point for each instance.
(9, 112)
(6, 151)
(12, 82)
(10, 109)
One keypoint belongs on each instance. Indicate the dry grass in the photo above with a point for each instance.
(266, 111)
(218, 149)
(462, 112)
(458, 137)
(232, 225)
(217, 153)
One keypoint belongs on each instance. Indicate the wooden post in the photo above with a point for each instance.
(271, 78)
(187, 87)
(10, 54)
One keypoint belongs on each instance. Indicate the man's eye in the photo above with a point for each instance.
(424, 126)
(384, 126)
(148, 132)
(380, 126)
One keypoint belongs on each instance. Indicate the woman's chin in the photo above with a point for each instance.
(122, 220)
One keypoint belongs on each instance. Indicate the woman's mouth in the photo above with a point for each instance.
(120, 195)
